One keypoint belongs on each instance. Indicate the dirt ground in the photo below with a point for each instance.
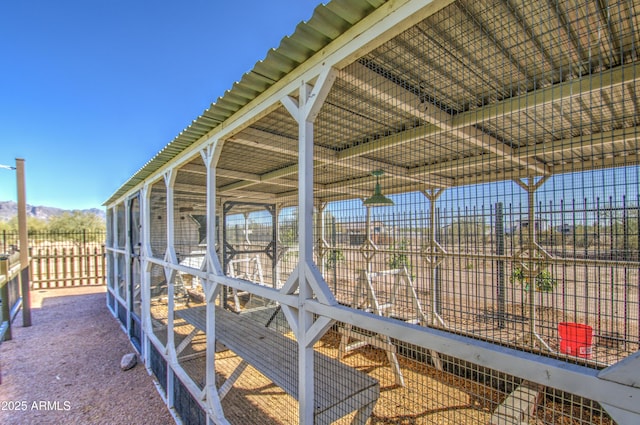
(65, 368)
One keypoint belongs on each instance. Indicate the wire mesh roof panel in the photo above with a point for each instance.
(473, 83)
(327, 23)
(236, 156)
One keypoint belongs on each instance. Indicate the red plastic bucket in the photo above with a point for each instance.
(575, 339)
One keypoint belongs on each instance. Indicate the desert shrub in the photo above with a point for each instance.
(545, 281)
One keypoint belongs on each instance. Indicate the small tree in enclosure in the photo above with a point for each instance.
(544, 280)
(399, 258)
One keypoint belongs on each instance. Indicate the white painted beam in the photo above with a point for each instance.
(565, 376)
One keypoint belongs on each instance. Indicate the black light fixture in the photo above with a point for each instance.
(377, 199)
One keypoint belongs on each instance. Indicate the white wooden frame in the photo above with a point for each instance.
(616, 388)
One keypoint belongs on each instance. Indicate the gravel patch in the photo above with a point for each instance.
(66, 367)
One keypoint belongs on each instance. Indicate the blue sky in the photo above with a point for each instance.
(90, 90)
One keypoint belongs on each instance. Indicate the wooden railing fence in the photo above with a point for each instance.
(10, 296)
(61, 260)
(64, 267)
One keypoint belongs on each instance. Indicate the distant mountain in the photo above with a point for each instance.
(9, 209)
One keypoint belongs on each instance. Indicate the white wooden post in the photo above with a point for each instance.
(305, 222)
(145, 251)
(128, 276)
(308, 278)
(368, 242)
(212, 266)
(170, 179)
(321, 247)
(170, 256)
(276, 263)
(433, 256)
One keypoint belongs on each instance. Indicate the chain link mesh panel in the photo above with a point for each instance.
(158, 219)
(476, 174)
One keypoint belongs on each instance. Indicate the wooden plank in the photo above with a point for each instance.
(103, 264)
(81, 271)
(96, 267)
(65, 270)
(48, 268)
(339, 389)
(364, 339)
(518, 407)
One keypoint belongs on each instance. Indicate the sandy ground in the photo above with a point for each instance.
(66, 367)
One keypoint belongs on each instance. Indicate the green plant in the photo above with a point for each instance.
(545, 281)
(334, 257)
(399, 258)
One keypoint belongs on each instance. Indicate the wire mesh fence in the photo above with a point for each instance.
(495, 148)
(479, 286)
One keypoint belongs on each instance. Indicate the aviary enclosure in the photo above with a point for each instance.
(408, 212)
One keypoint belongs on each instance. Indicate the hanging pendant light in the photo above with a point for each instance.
(377, 199)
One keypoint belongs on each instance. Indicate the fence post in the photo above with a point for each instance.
(86, 259)
(334, 244)
(500, 264)
(38, 284)
(81, 270)
(56, 269)
(96, 269)
(4, 296)
(47, 253)
(65, 272)
(25, 286)
(103, 264)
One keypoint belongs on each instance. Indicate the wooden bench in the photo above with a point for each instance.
(519, 406)
(339, 389)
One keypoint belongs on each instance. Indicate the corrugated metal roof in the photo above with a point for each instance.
(327, 23)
